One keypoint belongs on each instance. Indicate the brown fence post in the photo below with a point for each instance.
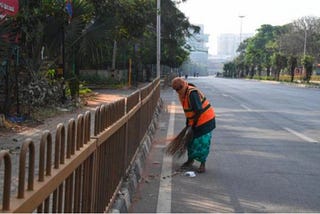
(87, 126)
(71, 137)
(46, 141)
(59, 146)
(4, 155)
(70, 180)
(96, 121)
(88, 171)
(27, 145)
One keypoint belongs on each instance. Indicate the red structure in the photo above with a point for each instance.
(8, 7)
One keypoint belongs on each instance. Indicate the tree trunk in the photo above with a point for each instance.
(292, 74)
(114, 55)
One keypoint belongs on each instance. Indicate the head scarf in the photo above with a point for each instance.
(179, 83)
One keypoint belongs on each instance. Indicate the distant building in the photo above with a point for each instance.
(199, 53)
(199, 50)
(228, 44)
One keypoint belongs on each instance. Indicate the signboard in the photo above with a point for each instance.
(8, 7)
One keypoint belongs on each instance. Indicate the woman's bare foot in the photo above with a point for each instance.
(187, 164)
(202, 168)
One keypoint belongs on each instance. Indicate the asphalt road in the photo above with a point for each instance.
(265, 152)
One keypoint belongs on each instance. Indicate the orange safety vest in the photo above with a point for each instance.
(207, 114)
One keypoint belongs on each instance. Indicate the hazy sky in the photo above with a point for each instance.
(222, 16)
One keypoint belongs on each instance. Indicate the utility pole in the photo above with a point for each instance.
(305, 42)
(241, 17)
(158, 37)
(304, 47)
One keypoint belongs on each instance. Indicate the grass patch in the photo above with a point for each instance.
(40, 114)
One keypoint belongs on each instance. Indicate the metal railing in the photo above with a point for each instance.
(81, 171)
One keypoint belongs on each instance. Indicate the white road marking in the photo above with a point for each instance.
(303, 137)
(164, 197)
(245, 107)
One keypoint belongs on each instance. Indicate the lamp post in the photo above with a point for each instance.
(305, 42)
(241, 17)
(304, 46)
(158, 37)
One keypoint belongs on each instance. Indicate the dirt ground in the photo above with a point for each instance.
(13, 133)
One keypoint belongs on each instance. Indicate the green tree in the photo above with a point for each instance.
(280, 48)
(307, 62)
(97, 32)
(279, 62)
(229, 69)
(175, 28)
(7, 42)
(241, 60)
(292, 63)
(260, 49)
(301, 37)
(6, 39)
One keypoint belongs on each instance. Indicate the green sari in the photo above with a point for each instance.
(199, 148)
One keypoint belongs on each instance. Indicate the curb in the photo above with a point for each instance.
(128, 188)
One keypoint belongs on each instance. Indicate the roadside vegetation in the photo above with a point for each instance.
(281, 53)
(46, 45)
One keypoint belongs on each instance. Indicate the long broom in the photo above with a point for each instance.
(178, 146)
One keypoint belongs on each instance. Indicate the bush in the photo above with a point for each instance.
(98, 80)
(41, 92)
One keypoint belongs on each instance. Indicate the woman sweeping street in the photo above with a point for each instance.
(200, 115)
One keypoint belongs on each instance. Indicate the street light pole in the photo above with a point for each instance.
(305, 43)
(241, 17)
(304, 46)
(158, 37)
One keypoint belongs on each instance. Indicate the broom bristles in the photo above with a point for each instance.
(178, 146)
